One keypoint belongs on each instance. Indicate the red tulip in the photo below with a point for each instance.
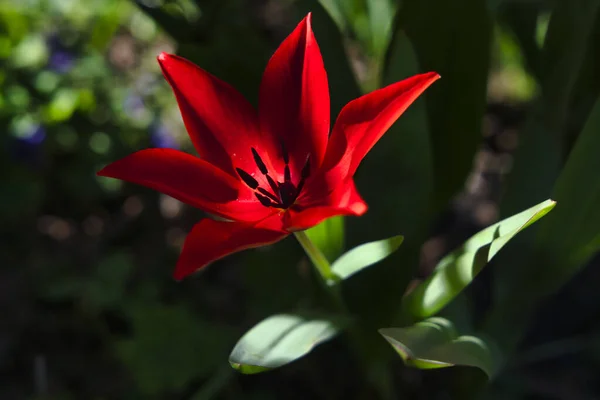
(268, 173)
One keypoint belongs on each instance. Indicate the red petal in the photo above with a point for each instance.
(345, 200)
(222, 125)
(363, 121)
(186, 178)
(210, 240)
(294, 99)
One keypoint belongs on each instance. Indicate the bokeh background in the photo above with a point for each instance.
(88, 307)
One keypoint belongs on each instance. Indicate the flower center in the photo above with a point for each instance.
(282, 194)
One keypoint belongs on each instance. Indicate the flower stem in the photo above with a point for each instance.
(316, 256)
(321, 264)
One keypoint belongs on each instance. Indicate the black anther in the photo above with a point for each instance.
(282, 194)
(284, 153)
(306, 169)
(264, 200)
(268, 194)
(247, 178)
(287, 193)
(259, 162)
(273, 184)
(300, 186)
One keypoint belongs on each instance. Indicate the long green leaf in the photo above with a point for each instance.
(381, 17)
(564, 242)
(572, 235)
(364, 256)
(279, 340)
(452, 38)
(522, 19)
(458, 269)
(538, 160)
(396, 181)
(434, 343)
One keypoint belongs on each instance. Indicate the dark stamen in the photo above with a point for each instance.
(273, 184)
(300, 186)
(259, 162)
(247, 178)
(268, 194)
(282, 194)
(306, 169)
(304, 174)
(287, 193)
(264, 200)
(284, 153)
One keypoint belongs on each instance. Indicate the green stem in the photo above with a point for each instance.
(321, 264)
(318, 259)
(330, 283)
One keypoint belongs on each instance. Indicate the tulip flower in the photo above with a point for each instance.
(269, 173)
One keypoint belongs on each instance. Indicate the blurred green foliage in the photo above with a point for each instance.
(89, 309)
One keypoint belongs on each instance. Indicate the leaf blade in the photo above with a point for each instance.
(455, 271)
(279, 340)
(365, 255)
(434, 343)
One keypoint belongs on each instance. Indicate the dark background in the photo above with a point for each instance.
(88, 307)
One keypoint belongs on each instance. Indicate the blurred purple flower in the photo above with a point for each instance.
(26, 147)
(61, 61)
(162, 137)
(35, 135)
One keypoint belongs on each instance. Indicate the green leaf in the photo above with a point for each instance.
(365, 255)
(329, 237)
(538, 159)
(571, 235)
(404, 156)
(434, 343)
(336, 12)
(587, 88)
(455, 271)
(458, 48)
(279, 340)
(522, 19)
(381, 16)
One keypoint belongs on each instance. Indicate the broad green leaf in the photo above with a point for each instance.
(329, 237)
(279, 340)
(365, 255)
(434, 343)
(571, 235)
(539, 158)
(455, 271)
(458, 48)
